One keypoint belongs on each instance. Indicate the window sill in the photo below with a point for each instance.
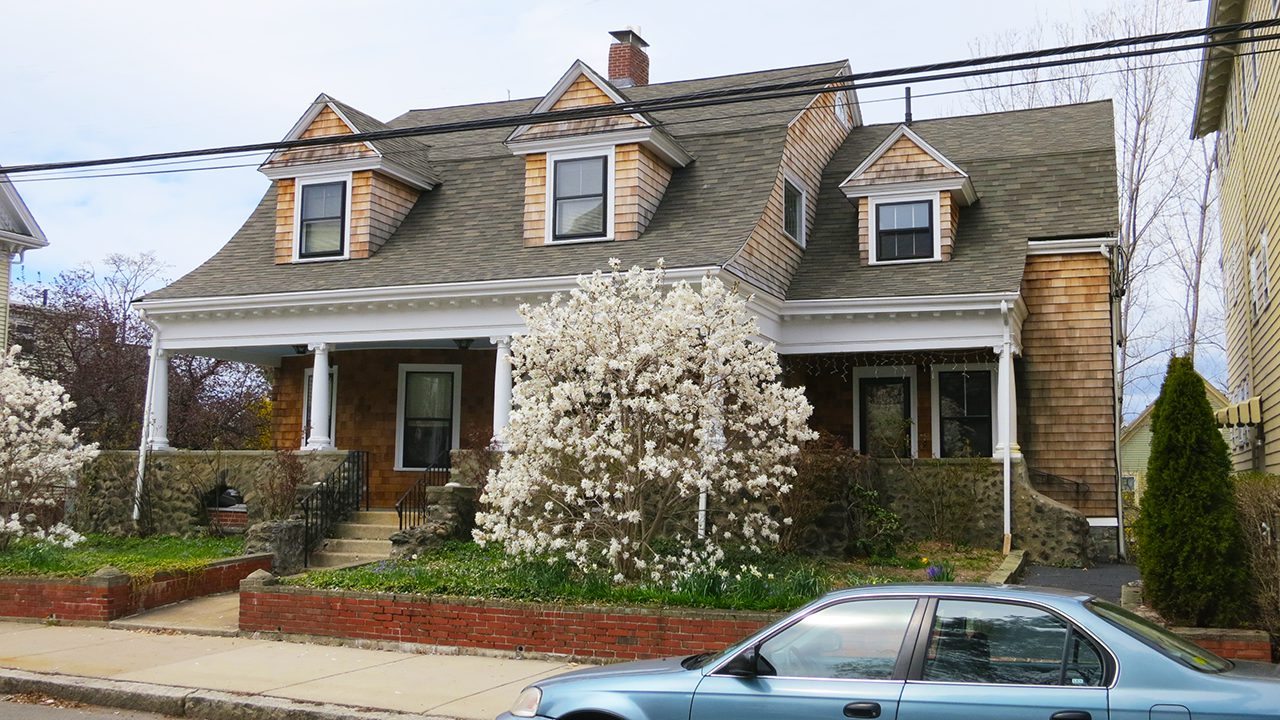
(327, 258)
(913, 261)
(577, 241)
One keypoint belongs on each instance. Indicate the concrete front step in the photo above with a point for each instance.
(378, 547)
(363, 531)
(337, 559)
(375, 517)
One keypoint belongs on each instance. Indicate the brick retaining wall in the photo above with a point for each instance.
(106, 597)
(601, 633)
(1231, 644)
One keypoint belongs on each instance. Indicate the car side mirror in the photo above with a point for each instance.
(748, 663)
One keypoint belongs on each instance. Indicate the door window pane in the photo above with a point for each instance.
(854, 640)
(964, 413)
(884, 406)
(987, 642)
(428, 419)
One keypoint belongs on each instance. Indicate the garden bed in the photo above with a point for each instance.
(105, 578)
(778, 582)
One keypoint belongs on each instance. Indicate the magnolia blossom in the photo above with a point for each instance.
(630, 403)
(38, 454)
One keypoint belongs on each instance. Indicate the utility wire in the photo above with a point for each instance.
(725, 96)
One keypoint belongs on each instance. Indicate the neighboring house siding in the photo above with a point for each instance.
(1135, 450)
(366, 407)
(1067, 383)
(770, 258)
(1249, 150)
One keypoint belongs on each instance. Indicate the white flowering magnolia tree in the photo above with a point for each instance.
(38, 455)
(649, 433)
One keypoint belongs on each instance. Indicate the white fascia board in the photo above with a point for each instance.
(562, 85)
(655, 139)
(331, 167)
(895, 136)
(22, 242)
(388, 294)
(1072, 246)
(961, 184)
(35, 238)
(899, 304)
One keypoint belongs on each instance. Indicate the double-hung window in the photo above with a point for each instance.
(580, 198)
(904, 231)
(1258, 281)
(322, 220)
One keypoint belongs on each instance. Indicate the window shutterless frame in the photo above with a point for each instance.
(896, 234)
(556, 198)
(318, 216)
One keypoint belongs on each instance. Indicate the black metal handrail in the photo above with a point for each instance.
(1080, 487)
(333, 499)
(412, 506)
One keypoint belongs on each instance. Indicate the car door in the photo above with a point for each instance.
(1003, 661)
(844, 660)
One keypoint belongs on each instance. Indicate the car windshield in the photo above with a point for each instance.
(1184, 651)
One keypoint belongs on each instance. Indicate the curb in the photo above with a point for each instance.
(1010, 570)
(187, 702)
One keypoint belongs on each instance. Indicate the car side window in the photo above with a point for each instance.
(1003, 643)
(857, 640)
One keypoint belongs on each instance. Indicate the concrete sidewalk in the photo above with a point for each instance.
(282, 679)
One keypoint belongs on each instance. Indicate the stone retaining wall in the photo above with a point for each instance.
(531, 629)
(108, 595)
(175, 484)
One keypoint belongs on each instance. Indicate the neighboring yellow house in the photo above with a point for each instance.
(1135, 442)
(18, 234)
(1239, 99)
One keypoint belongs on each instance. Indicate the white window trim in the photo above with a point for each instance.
(873, 226)
(298, 184)
(844, 113)
(891, 371)
(935, 401)
(789, 177)
(406, 368)
(608, 151)
(333, 404)
(1260, 283)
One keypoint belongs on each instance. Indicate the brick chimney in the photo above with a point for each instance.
(628, 62)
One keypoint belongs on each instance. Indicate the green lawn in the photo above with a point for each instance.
(783, 582)
(139, 557)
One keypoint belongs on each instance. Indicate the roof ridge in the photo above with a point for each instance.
(993, 112)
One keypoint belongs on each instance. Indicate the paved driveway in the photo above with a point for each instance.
(1101, 580)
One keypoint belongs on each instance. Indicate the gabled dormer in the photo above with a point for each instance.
(343, 201)
(593, 179)
(909, 197)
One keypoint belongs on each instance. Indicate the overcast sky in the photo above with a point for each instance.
(94, 79)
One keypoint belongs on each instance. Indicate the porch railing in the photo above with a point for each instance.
(412, 506)
(333, 499)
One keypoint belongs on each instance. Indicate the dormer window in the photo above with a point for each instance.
(581, 198)
(905, 231)
(793, 211)
(322, 219)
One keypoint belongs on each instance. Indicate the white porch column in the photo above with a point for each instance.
(501, 386)
(159, 439)
(319, 421)
(1006, 404)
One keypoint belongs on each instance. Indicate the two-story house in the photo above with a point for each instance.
(1239, 99)
(18, 234)
(941, 288)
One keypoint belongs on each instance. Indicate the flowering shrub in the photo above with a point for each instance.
(38, 455)
(631, 404)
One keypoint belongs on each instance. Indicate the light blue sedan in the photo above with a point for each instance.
(928, 652)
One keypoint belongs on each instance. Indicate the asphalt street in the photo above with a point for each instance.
(36, 711)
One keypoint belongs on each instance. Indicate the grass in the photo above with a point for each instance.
(783, 583)
(139, 557)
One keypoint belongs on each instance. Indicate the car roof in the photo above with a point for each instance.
(1003, 592)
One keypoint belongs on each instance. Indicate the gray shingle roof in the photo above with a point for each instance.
(1041, 173)
(470, 226)
(409, 152)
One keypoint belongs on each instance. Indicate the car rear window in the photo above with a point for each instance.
(1180, 649)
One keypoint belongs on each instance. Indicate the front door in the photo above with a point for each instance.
(843, 661)
(1004, 661)
(884, 416)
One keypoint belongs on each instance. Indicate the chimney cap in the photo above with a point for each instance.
(629, 36)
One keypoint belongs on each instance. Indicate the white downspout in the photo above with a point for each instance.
(1006, 362)
(145, 442)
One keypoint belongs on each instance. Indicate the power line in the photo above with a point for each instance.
(739, 94)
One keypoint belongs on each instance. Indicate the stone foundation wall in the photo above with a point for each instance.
(961, 500)
(174, 487)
